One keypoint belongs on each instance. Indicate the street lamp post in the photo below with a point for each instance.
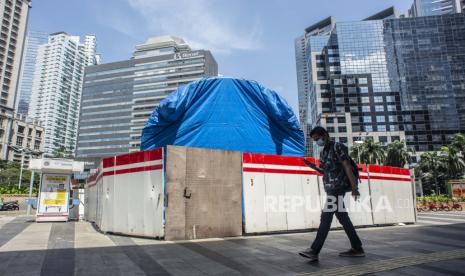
(21, 169)
(30, 193)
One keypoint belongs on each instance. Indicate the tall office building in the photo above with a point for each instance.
(33, 40)
(90, 50)
(303, 68)
(119, 97)
(428, 69)
(13, 18)
(57, 89)
(435, 7)
(350, 91)
(389, 78)
(302, 81)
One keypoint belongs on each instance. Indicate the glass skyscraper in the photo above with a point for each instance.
(435, 7)
(428, 69)
(303, 53)
(33, 40)
(350, 92)
(388, 78)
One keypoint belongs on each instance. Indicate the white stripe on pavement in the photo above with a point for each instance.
(429, 222)
(443, 218)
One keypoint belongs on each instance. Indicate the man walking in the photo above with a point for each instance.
(338, 178)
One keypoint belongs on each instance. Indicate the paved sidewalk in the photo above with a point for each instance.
(435, 246)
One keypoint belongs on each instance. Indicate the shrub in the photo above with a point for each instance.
(439, 198)
(14, 190)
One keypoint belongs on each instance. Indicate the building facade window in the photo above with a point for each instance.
(19, 141)
(363, 89)
(362, 81)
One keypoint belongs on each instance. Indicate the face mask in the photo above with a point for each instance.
(320, 142)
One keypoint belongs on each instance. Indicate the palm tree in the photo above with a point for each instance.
(355, 152)
(397, 154)
(432, 168)
(372, 152)
(452, 162)
(458, 144)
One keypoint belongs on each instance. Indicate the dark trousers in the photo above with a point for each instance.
(325, 223)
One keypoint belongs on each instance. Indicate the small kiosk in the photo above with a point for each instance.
(53, 201)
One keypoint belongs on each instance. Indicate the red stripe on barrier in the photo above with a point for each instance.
(283, 171)
(362, 168)
(388, 170)
(155, 154)
(134, 170)
(138, 157)
(108, 162)
(263, 170)
(375, 177)
(270, 159)
(125, 159)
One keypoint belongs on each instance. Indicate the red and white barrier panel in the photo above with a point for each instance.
(282, 193)
(392, 195)
(133, 162)
(131, 194)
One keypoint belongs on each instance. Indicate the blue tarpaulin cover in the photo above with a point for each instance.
(228, 114)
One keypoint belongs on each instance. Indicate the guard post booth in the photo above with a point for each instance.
(53, 203)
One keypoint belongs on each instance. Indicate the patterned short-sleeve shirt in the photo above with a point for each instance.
(335, 179)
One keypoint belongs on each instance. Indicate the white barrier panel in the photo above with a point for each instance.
(129, 197)
(107, 198)
(82, 204)
(392, 195)
(360, 211)
(280, 193)
(90, 201)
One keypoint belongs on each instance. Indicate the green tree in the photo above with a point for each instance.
(9, 178)
(355, 153)
(452, 162)
(397, 154)
(432, 171)
(458, 144)
(372, 152)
